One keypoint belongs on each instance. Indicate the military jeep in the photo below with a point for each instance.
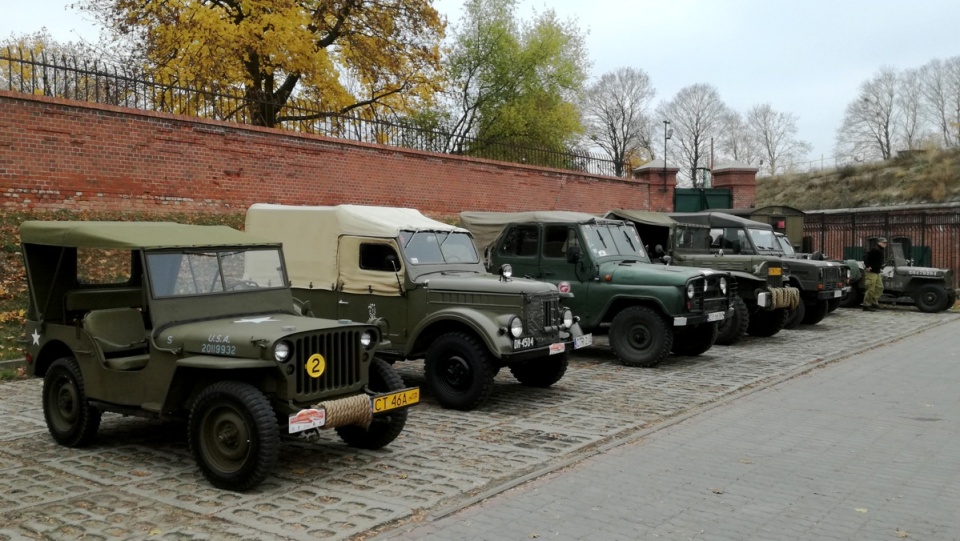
(196, 323)
(422, 283)
(928, 288)
(763, 297)
(822, 283)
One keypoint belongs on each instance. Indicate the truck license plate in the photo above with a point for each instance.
(838, 293)
(395, 400)
(583, 341)
(715, 316)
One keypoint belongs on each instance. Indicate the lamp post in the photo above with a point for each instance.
(666, 135)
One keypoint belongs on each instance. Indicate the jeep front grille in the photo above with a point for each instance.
(541, 313)
(831, 278)
(707, 296)
(342, 356)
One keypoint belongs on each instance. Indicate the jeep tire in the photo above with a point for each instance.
(540, 372)
(732, 329)
(72, 421)
(640, 337)
(796, 316)
(233, 435)
(385, 427)
(694, 339)
(932, 298)
(767, 323)
(816, 312)
(459, 371)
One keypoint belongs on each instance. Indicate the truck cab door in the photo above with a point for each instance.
(371, 283)
(520, 248)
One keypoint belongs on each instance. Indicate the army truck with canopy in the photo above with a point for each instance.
(422, 283)
(196, 323)
(762, 300)
(647, 309)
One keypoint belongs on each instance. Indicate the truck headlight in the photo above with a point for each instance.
(567, 319)
(516, 327)
(506, 270)
(281, 351)
(723, 285)
(366, 339)
(690, 291)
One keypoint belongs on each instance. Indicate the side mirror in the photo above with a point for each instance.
(667, 260)
(573, 254)
(391, 261)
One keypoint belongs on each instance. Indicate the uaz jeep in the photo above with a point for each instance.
(648, 310)
(421, 282)
(196, 323)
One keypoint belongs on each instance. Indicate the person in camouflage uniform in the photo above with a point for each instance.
(873, 264)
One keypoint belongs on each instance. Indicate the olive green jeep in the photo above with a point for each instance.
(422, 283)
(196, 323)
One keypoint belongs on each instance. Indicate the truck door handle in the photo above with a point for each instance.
(341, 301)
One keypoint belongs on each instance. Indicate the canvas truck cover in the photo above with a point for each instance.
(718, 219)
(642, 217)
(486, 226)
(133, 235)
(311, 235)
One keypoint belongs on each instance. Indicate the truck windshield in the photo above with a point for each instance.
(764, 239)
(785, 246)
(209, 272)
(437, 247)
(613, 239)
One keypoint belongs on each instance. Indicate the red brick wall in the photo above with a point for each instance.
(57, 154)
(742, 184)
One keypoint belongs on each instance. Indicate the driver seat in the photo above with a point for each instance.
(120, 335)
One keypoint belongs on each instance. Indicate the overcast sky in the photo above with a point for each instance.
(807, 58)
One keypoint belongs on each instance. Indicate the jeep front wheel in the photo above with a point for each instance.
(767, 323)
(72, 421)
(695, 339)
(385, 427)
(459, 371)
(640, 337)
(234, 435)
(540, 372)
(932, 298)
(796, 316)
(732, 329)
(816, 312)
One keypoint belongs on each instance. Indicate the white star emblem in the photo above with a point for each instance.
(255, 320)
(36, 337)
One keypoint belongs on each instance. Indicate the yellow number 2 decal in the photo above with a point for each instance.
(316, 365)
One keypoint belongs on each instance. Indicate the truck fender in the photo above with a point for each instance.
(480, 323)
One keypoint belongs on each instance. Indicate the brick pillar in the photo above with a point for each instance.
(740, 178)
(660, 183)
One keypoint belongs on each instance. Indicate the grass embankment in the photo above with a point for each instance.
(13, 281)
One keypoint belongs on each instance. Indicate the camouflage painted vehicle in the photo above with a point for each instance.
(928, 288)
(647, 310)
(422, 283)
(763, 297)
(196, 323)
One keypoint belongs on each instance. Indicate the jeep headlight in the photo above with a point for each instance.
(281, 351)
(567, 319)
(506, 270)
(690, 291)
(723, 285)
(366, 339)
(516, 327)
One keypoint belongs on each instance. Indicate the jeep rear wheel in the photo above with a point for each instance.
(459, 371)
(234, 435)
(385, 427)
(816, 312)
(695, 339)
(540, 372)
(733, 328)
(795, 317)
(767, 323)
(851, 299)
(640, 337)
(932, 298)
(72, 421)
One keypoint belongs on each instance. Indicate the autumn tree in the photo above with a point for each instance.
(941, 91)
(738, 142)
(697, 115)
(616, 111)
(512, 82)
(867, 131)
(775, 135)
(342, 55)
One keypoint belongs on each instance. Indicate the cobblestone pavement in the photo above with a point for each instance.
(139, 479)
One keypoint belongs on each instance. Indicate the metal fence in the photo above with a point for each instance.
(92, 81)
(932, 232)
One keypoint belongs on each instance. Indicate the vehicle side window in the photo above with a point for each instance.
(379, 257)
(521, 241)
(556, 240)
(103, 267)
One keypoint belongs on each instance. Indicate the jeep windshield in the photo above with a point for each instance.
(897, 256)
(764, 240)
(214, 272)
(785, 246)
(438, 247)
(613, 239)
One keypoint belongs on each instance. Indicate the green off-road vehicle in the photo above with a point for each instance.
(928, 288)
(421, 282)
(196, 323)
(822, 283)
(648, 310)
(762, 299)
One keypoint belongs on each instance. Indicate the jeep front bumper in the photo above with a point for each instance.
(778, 297)
(353, 410)
(696, 319)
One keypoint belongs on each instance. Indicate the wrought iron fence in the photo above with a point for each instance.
(84, 80)
(930, 232)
